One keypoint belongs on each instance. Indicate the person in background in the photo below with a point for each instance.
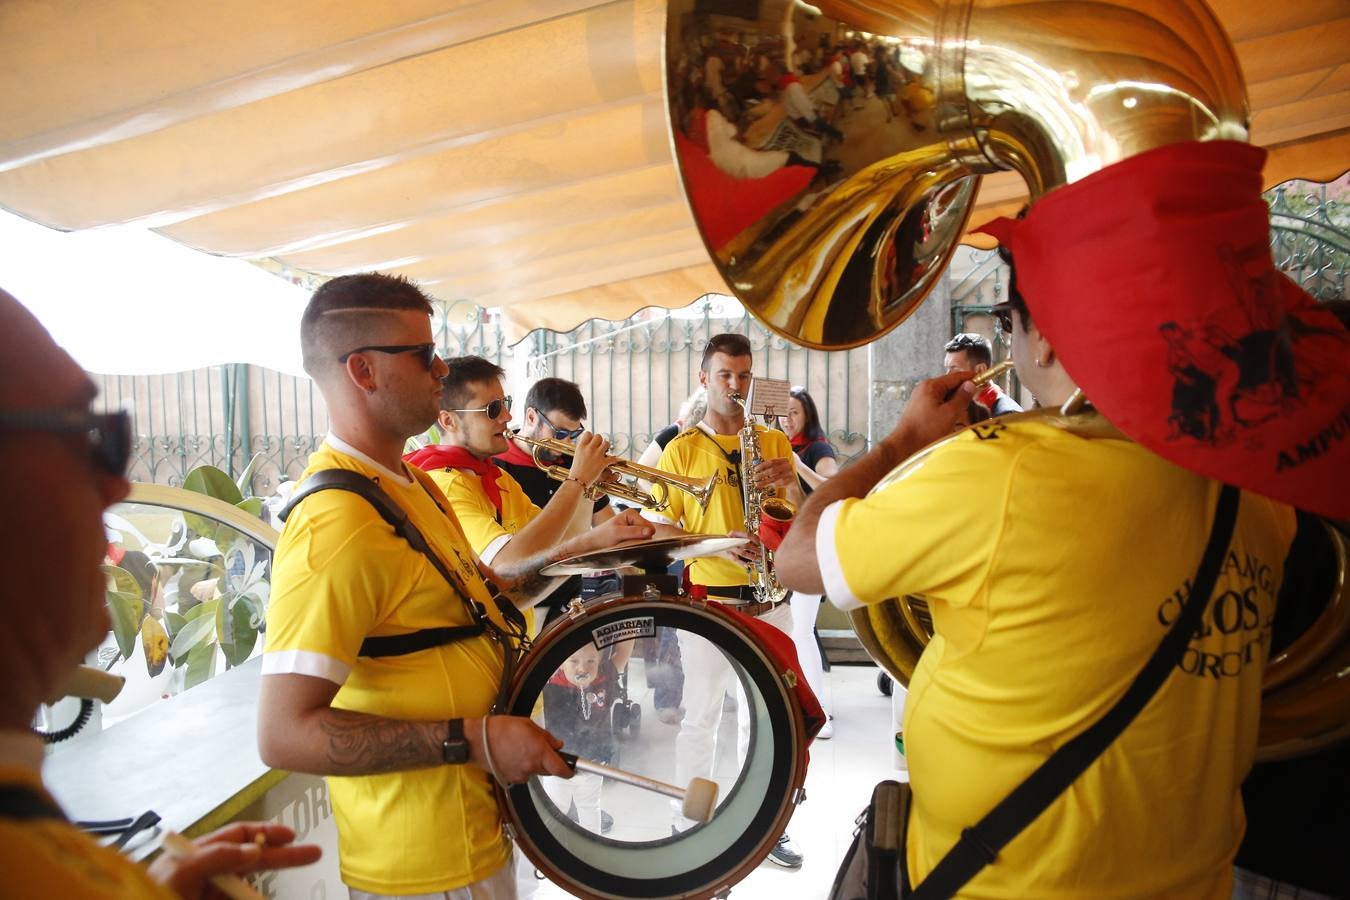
(973, 352)
(555, 410)
(816, 461)
(63, 464)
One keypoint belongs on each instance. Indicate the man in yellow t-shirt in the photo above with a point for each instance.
(1054, 563)
(504, 526)
(713, 448)
(63, 465)
(405, 739)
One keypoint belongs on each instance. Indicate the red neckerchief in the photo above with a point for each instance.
(515, 456)
(441, 456)
(988, 397)
(799, 441)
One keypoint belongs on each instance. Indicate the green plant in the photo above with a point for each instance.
(202, 589)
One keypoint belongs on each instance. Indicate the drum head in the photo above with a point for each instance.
(595, 681)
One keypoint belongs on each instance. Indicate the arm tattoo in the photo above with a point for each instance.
(361, 744)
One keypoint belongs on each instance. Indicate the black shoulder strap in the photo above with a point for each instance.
(26, 804)
(391, 512)
(980, 844)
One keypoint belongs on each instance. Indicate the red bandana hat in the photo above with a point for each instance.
(1154, 282)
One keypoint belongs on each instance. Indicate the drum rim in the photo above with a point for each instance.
(740, 856)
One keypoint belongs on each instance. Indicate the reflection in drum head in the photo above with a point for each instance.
(596, 682)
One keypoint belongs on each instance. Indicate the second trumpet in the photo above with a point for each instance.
(656, 500)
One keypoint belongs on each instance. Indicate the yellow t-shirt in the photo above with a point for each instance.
(699, 452)
(478, 517)
(1054, 565)
(341, 575)
(49, 858)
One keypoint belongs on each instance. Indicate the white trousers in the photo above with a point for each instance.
(805, 608)
(707, 678)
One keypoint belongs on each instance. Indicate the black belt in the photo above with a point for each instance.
(742, 594)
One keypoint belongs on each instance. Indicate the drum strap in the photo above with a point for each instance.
(391, 512)
(980, 843)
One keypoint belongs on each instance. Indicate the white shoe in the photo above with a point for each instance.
(827, 730)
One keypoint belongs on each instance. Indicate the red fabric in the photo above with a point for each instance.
(1153, 281)
(987, 397)
(698, 128)
(724, 205)
(783, 652)
(515, 455)
(441, 456)
(786, 79)
(799, 441)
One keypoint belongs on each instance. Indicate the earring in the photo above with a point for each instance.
(1040, 364)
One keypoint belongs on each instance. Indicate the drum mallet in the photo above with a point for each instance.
(697, 802)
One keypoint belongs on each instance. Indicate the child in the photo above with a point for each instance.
(577, 702)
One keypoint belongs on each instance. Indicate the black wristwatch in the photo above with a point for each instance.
(455, 749)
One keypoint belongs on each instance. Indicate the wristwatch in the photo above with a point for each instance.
(455, 749)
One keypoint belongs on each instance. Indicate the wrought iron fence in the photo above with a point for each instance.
(635, 374)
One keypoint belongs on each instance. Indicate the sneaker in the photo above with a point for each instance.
(786, 854)
(827, 730)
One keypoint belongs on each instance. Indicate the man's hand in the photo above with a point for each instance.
(936, 408)
(590, 459)
(744, 555)
(231, 850)
(775, 473)
(626, 526)
(519, 749)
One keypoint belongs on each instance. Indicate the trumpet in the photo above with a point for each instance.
(656, 500)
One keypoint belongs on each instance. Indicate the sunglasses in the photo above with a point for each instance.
(427, 352)
(561, 434)
(494, 408)
(108, 434)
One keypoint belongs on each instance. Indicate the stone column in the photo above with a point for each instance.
(906, 356)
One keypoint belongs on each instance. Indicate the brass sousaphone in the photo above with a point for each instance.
(838, 238)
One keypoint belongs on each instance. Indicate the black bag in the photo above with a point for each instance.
(874, 866)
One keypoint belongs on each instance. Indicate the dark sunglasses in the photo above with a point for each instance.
(493, 409)
(427, 352)
(561, 434)
(108, 434)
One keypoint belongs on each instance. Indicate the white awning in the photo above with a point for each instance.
(512, 153)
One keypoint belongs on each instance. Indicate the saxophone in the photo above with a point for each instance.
(759, 505)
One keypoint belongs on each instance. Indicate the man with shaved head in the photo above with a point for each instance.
(61, 465)
(403, 734)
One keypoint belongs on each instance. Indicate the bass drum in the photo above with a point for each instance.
(603, 838)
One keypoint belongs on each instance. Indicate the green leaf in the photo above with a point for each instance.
(200, 625)
(199, 664)
(123, 582)
(235, 631)
(125, 610)
(253, 506)
(212, 482)
(245, 480)
(173, 623)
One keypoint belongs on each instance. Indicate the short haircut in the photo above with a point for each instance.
(976, 347)
(731, 344)
(548, 394)
(343, 312)
(466, 371)
(1015, 298)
